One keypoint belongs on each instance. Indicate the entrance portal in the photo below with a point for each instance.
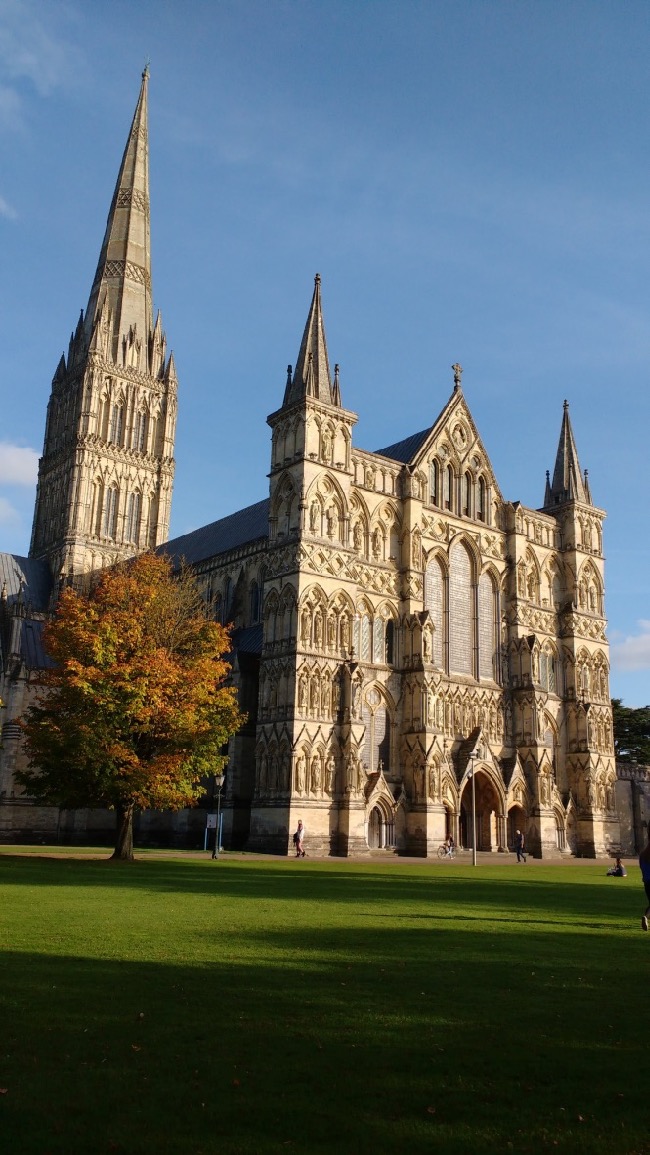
(489, 816)
(381, 831)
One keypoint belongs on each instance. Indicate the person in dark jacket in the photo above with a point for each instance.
(520, 846)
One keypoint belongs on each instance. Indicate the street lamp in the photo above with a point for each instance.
(218, 781)
(472, 774)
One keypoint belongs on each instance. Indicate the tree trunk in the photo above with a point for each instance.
(124, 834)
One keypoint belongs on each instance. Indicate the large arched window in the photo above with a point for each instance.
(376, 741)
(461, 611)
(435, 602)
(487, 627)
(254, 603)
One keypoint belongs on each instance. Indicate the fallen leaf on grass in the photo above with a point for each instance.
(4, 1090)
(135, 1047)
(431, 1110)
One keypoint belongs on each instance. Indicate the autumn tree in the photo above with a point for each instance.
(631, 732)
(134, 712)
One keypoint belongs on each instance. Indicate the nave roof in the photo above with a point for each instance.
(246, 525)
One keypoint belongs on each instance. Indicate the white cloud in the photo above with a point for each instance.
(633, 652)
(18, 465)
(31, 51)
(6, 210)
(8, 515)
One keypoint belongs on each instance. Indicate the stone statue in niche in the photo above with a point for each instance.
(331, 775)
(327, 445)
(357, 536)
(316, 775)
(300, 774)
(313, 515)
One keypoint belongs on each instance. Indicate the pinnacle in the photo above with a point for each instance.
(311, 377)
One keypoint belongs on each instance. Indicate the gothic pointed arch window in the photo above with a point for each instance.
(254, 602)
(378, 644)
(377, 734)
(227, 599)
(96, 506)
(117, 423)
(548, 670)
(434, 483)
(488, 623)
(109, 525)
(480, 499)
(467, 494)
(389, 650)
(435, 601)
(139, 441)
(134, 517)
(448, 488)
(364, 638)
(461, 611)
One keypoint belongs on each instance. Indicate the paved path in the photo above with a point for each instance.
(463, 857)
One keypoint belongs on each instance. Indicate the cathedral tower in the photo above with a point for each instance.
(105, 477)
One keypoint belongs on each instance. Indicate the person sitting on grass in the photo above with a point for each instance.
(618, 870)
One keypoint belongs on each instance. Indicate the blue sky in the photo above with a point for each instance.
(470, 179)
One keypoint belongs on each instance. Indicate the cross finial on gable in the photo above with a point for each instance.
(458, 373)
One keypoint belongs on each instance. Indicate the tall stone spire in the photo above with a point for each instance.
(105, 477)
(568, 482)
(121, 289)
(311, 376)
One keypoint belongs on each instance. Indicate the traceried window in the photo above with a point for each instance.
(377, 641)
(547, 671)
(461, 614)
(109, 526)
(117, 424)
(487, 627)
(435, 602)
(140, 431)
(133, 518)
(364, 650)
(376, 741)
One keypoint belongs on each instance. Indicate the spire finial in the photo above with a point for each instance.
(458, 373)
(317, 279)
(145, 70)
(566, 406)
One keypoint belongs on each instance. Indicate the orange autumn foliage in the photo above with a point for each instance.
(134, 712)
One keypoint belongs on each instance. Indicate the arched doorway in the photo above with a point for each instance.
(516, 821)
(490, 824)
(381, 830)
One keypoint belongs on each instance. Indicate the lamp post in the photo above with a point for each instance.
(472, 759)
(218, 781)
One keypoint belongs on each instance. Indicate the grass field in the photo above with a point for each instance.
(191, 1007)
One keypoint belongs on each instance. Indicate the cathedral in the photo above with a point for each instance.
(417, 655)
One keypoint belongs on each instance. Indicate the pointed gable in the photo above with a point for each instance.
(311, 376)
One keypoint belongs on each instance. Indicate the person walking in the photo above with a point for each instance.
(520, 846)
(298, 839)
(644, 863)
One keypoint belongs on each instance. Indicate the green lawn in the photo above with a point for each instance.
(185, 1006)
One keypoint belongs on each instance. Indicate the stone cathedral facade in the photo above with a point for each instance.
(399, 627)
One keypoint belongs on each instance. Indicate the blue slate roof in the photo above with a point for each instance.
(248, 640)
(27, 575)
(405, 450)
(249, 524)
(31, 645)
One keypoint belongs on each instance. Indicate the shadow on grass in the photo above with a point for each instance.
(341, 1039)
(582, 896)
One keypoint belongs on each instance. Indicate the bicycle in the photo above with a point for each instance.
(446, 851)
